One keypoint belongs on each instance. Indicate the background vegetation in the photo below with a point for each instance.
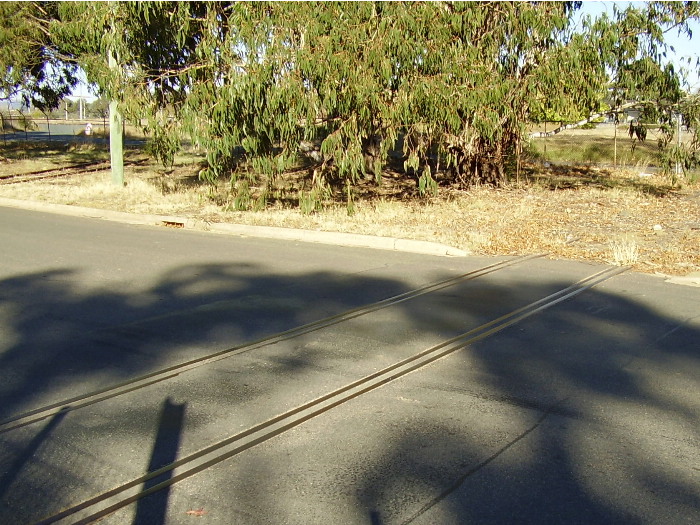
(333, 96)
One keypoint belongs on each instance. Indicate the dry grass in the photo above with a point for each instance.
(575, 213)
(624, 251)
(17, 158)
(602, 145)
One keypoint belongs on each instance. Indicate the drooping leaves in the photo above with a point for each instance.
(447, 88)
(32, 64)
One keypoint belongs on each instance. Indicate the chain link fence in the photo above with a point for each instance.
(16, 126)
(606, 145)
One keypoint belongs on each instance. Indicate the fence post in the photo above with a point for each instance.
(678, 163)
(615, 154)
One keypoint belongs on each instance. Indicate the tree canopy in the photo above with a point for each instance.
(32, 64)
(445, 89)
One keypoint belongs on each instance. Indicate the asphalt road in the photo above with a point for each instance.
(586, 411)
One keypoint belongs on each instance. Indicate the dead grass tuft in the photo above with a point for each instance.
(624, 251)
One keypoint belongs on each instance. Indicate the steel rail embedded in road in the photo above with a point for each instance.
(73, 403)
(130, 492)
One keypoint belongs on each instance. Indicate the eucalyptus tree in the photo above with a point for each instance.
(457, 83)
(449, 88)
(32, 64)
(454, 81)
(638, 73)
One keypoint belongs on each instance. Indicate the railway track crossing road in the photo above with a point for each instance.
(416, 390)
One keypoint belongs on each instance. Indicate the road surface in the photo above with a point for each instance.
(256, 381)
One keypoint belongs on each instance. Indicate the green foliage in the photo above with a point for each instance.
(427, 185)
(99, 108)
(686, 156)
(31, 63)
(335, 87)
(241, 196)
(356, 76)
(313, 199)
(164, 143)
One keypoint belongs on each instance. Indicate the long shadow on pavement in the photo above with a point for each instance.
(152, 510)
(584, 413)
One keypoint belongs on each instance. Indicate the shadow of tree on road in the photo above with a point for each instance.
(57, 338)
(586, 413)
(61, 340)
(578, 414)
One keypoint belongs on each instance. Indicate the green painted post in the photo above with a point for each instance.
(116, 144)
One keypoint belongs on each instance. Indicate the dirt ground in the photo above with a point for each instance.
(618, 217)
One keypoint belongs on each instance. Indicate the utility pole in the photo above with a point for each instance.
(116, 123)
(116, 145)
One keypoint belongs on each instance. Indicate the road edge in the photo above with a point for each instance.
(244, 230)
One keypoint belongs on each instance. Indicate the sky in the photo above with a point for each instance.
(83, 91)
(684, 47)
